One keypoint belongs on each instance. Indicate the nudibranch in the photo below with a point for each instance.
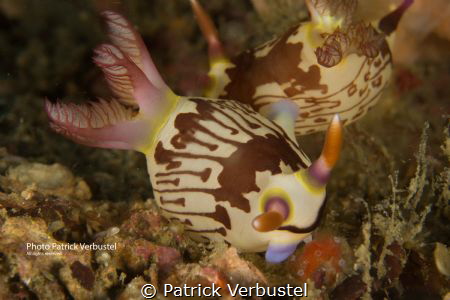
(219, 167)
(332, 64)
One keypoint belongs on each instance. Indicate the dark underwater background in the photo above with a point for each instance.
(388, 200)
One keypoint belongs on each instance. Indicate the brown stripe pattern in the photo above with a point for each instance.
(208, 159)
(289, 66)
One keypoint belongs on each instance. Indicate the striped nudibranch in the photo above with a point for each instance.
(329, 65)
(217, 166)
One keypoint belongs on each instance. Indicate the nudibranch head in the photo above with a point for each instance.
(291, 204)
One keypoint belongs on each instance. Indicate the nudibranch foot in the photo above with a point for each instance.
(277, 253)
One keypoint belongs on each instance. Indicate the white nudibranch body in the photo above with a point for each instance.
(329, 65)
(219, 167)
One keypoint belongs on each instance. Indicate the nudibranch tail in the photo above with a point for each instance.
(389, 23)
(319, 171)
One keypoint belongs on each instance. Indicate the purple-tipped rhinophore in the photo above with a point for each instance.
(319, 171)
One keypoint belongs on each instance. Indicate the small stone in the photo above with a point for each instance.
(55, 226)
(55, 180)
(44, 176)
(238, 270)
(113, 231)
(133, 289)
(102, 257)
(83, 274)
(442, 258)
